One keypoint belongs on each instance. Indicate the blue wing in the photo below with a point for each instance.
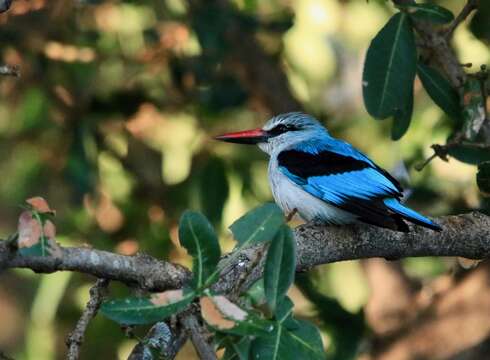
(337, 173)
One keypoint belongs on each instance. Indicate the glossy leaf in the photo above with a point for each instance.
(284, 313)
(146, 310)
(431, 12)
(256, 293)
(440, 91)
(198, 237)
(479, 23)
(469, 154)
(280, 266)
(402, 118)
(304, 342)
(223, 315)
(483, 177)
(258, 225)
(239, 350)
(389, 69)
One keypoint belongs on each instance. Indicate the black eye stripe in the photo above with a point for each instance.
(281, 128)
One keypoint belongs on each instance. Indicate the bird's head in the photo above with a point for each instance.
(278, 133)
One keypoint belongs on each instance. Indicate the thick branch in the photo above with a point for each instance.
(140, 270)
(465, 235)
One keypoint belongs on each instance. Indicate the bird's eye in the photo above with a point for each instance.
(282, 128)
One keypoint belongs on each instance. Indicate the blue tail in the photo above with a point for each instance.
(410, 215)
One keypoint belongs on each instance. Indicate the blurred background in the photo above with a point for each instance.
(112, 122)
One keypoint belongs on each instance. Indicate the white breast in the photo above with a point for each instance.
(289, 196)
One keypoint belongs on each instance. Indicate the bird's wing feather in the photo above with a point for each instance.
(339, 174)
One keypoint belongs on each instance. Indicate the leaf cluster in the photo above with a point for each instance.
(394, 60)
(264, 328)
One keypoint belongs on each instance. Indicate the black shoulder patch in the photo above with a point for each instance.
(304, 164)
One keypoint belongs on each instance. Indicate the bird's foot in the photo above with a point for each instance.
(290, 216)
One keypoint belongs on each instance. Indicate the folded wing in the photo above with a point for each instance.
(344, 177)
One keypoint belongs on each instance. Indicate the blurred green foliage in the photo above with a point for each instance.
(112, 120)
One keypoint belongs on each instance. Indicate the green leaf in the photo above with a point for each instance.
(147, 310)
(258, 225)
(304, 342)
(223, 315)
(197, 235)
(479, 23)
(431, 12)
(256, 293)
(440, 91)
(402, 118)
(390, 67)
(284, 313)
(213, 189)
(280, 266)
(483, 177)
(239, 350)
(469, 154)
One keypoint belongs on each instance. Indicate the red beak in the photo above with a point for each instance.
(245, 137)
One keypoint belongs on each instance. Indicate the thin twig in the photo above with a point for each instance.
(421, 166)
(10, 70)
(467, 10)
(203, 348)
(75, 339)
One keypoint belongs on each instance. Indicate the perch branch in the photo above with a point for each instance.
(466, 235)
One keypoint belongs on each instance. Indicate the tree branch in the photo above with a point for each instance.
(465, 235)
(75, 339)
(467, 10)
(161, 339)
(205, 351)
(140, 270)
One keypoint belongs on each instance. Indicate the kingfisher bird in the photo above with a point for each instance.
(324, 179)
